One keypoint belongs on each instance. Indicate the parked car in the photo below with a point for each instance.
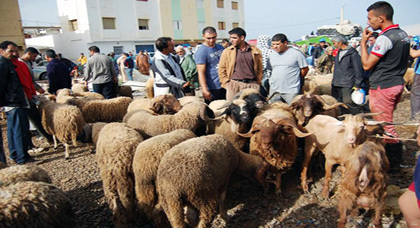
(40, 70)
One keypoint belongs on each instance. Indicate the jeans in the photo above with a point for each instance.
(283, 97)
(2, 155)
(129, 72)
(18, 135)
(107, 89)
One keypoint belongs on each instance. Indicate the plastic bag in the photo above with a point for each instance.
(358, 96)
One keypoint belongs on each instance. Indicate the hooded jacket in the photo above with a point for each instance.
(348, 70)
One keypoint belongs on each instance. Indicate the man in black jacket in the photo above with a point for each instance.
(12, 98)
(347, 73)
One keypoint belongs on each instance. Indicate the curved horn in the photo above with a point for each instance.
(272, 95)
(255, 127)
(295, 129)
(338, 104)
(203, 113)
(225, 105)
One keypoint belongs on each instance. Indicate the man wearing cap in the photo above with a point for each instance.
(240, 65)
(288, 67)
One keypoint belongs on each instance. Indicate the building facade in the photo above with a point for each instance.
(134, 25)
(10, 23)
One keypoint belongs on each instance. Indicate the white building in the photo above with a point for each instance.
(133, 25)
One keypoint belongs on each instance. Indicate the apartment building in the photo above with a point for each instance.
(10, 23)
(133, 25)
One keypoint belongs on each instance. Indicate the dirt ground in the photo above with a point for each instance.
(248, 207)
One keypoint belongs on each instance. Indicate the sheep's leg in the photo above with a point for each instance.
(66, 151)
(343, 215)
(222, 208)
(377, 219)
(278, 183)
(309, 151)
(206, 214)
(55, 142)
(328, 170)
(175, 213)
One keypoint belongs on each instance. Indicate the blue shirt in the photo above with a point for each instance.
(211, 57)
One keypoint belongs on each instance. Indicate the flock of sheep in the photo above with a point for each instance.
(170, 161)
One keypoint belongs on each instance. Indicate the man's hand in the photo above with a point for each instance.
(366, 34)
(206, 94)
(86, 83)
(186, 85)
(41, 91)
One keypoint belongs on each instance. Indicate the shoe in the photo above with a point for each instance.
(35, 150)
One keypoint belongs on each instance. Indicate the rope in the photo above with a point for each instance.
(382, 137)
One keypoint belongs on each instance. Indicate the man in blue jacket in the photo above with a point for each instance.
(57, 72)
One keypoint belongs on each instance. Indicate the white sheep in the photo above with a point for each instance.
(63, 122)
(111, 110)
(196, 173)
(162, 104)
(192, 116)
(145, 165)
(114, 154)
(35, 204)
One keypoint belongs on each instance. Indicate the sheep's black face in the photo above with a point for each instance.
(241, 113)
(255, 102)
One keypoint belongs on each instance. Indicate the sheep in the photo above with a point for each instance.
(114, 154)
(318, 84)
(145, 165)
(192, 116)
(149, 88)
(111, 110)
(253, 98)
(408, 79)
(196, 173)
(91, 132)
(63, 122)
(273, 137)
(65, 95)
(335, 139)
(20, 173)
(364, 182)
(307, 106)
(79, 88)
(186, 99)
(125, 91)
(35, 204)
(162, 104)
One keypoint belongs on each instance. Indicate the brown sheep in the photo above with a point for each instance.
(196, 173)
(364, 182)
(114, 154)
(273, 137)
(192, 116)
(335, 139)
(125, 91)
(145, 165)
(63, 122)
(162, 104)
(20, 173)
(307, 106)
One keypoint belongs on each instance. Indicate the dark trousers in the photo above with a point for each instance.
(35, 118)
(343, 94)
(415, 98)
(216, 94)
(2, 155)
(18, 135)
(106, 89)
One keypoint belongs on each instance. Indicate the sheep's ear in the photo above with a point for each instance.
(363, 179)
(157, 107)
(294, 105)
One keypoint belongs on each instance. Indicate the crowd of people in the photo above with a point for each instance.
(274, 66)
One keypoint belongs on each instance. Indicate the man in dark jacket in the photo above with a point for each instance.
(12, 98)
(347, 73)
(57, 72)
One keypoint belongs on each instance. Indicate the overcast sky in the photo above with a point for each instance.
(293, 18)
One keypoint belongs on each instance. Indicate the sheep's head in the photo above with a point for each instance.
(165, 104)
(272, 128)
(239, 112)
(255, 102)
(354, 129)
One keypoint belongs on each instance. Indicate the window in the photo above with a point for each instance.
(235, 25)
(220, 4)
(222, 25)
(73, 26)
(235, 5)
(177, 25)
(200, 4)
(108, 22)
(143, 24)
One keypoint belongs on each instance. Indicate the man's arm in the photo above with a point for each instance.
(52, 79)
(414, 53)
(304, 71)
(368, 61)
(259, 74)
(201, 70)
(357, 68)
(3, 83)
(167, 76)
